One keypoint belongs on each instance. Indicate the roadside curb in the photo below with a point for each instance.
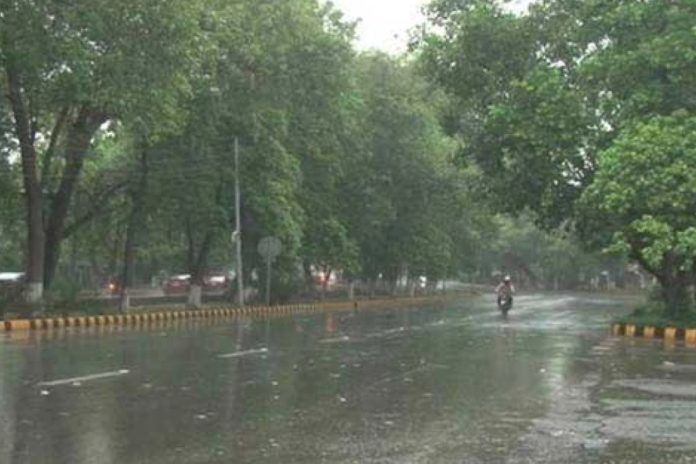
(666, 333)
(208, 312)
(151, 318)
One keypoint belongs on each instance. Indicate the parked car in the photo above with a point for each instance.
(181, 283)
(215, 282)
(177, 284)
(11, 278)
(10, 286)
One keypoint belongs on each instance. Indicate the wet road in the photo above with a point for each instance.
(451, 384)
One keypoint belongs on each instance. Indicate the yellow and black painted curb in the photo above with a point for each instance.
(159, 315)
(666, 333)
(154, 317)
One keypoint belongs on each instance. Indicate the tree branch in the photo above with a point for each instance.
(23, 129)
(53, 142)
(97, 207)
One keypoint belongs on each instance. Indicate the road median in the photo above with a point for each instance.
(162, 314)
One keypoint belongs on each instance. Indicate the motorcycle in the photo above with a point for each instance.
(505, 304)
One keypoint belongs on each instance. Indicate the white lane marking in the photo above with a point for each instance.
(239, 354)
(86, 378)
(387, 333)
(335, 340)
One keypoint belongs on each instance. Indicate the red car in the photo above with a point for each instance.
(177, 284)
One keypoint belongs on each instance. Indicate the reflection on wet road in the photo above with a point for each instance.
(451, 384)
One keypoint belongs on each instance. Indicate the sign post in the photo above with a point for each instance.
(269, 248)
(237, 234)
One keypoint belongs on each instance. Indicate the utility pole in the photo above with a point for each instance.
(268, 281)
(238, 225)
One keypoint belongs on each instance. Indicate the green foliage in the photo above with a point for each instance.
(127, 59)
(344, 157)
(402, 189)
(11, 224)
(519, 117)
(655, 313)
(579, 112)
(646, 183)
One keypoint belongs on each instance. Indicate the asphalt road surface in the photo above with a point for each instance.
(447, 384)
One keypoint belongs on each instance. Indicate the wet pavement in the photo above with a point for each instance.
(447, 384)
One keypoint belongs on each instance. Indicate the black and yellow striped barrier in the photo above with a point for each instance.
(152, 317)
(666, 333)
(163, 314)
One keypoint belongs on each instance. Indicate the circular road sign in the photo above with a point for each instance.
(270, 247)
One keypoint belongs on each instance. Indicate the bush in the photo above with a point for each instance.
(654, 313)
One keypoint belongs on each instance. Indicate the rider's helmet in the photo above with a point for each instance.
(507, 279)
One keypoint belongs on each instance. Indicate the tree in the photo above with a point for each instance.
(540, 114)
(521, 119)
(646, 187)
(68, 69)
(402, 187)
(10, 205)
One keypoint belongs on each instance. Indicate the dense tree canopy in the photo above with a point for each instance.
(118, 125)
(566, 98)
(645, 188)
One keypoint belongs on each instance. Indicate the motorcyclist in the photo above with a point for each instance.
(505, 290)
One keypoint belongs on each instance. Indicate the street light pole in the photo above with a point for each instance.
(238, 225)
(268, 281)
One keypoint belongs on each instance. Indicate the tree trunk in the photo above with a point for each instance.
(198, 262)
(78, 142)
(32, 190)
(394, 284)
(195, 296)
(677, 293)
(135, 223)
(309, 279)
(325, 284)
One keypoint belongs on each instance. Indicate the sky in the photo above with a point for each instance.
(384, 24)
